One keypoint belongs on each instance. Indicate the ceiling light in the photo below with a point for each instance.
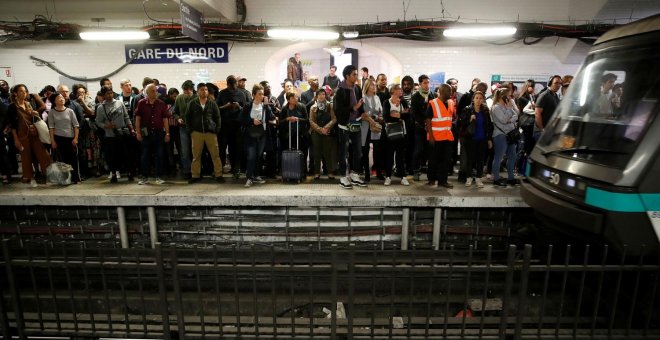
(302, 34)
(479, 31)
(350, 35)
(114, 35)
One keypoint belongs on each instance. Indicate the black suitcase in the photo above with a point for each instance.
(292, 161)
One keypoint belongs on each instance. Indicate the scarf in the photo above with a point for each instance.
(321, 105)
(425, 94)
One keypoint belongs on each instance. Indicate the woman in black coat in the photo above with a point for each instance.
(476, 128)
(255, 116)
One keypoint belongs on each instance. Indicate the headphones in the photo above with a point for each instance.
(553, 77)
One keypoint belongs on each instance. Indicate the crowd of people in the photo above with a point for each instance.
(358, 129)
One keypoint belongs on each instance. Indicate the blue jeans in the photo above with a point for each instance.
(255, 149)
(502, 147)
(152, 144)
(185, 151)
(349, 142)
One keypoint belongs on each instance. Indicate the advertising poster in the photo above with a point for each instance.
(541, 80)
(436, 79)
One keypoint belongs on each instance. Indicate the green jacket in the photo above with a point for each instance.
(181, 105)
(200, 119)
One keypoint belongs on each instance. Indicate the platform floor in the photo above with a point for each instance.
(323, 192)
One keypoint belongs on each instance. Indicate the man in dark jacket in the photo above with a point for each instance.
(348, 104)
(230, 102)
(203, 121)
(419, 104)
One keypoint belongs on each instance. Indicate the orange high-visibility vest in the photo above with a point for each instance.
(441, 122)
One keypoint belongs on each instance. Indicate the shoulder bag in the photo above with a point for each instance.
(395, 131)
(256, 131)
(42, 129)
(513, 136)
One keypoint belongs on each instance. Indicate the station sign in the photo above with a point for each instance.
(177, 53)
(191, 22)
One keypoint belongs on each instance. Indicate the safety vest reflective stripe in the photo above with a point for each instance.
(441, 122)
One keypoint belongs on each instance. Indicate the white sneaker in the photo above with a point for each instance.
(159, 181)
(33, 183)
(388, 181)
(118, 175)
(258, 180)
(248, 183)
(355, 180)
(110, 175)
(468, 182)
(404, 181)
(480, 184)
(143, 181)
(489, 177)
(345, 183)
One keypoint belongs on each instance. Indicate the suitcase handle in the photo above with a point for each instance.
(297, 130)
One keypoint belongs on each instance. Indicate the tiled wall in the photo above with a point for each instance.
(256, 61)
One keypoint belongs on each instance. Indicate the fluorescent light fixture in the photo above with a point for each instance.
(350, 35)
(110, 35)
(479, 31)
(302, 34)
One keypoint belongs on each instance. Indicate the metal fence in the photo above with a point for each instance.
(265, 292)
(281, 226)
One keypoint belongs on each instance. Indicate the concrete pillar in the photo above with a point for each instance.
(123, 232)
(405, 228)
(437, 218)
(153, 230)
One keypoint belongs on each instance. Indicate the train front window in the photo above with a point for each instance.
(607, 109)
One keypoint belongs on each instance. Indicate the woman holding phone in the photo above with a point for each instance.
(505, 115)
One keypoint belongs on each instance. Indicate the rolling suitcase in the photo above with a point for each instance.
(292, 161)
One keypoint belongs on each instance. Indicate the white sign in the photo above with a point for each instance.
(7, 74)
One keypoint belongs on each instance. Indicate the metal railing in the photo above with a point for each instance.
(264, 292)
(282, 226)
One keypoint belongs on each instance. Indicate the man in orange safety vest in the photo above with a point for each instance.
(440, 138)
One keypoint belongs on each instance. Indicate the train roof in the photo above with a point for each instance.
(642, 26)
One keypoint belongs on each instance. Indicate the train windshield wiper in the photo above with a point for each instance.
(584, 150)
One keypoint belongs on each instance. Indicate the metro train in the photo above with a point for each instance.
(595, 169)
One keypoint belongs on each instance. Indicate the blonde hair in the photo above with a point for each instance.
(367, 84)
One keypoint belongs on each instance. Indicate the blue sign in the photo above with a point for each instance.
(177, 53)
(436, 79)
(191, 22)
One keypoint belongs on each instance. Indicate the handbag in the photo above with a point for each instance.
(395, 131)
(376, 128)
(255, 131)
(124, 131)
(42, 130)
(527, 117)
(471, 129)
(355, 126)
(513, 136)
